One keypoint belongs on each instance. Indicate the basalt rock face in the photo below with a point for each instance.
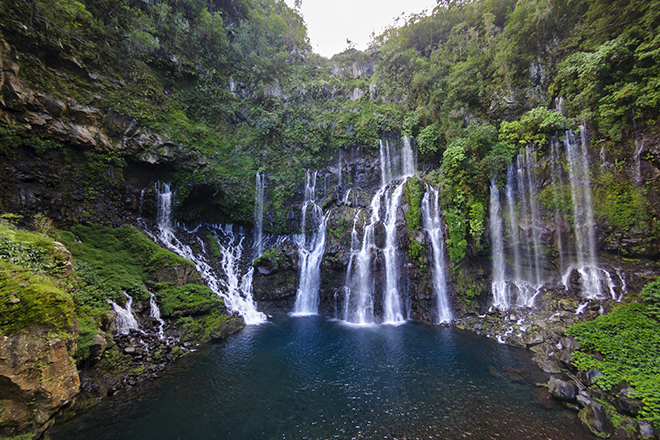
(77, 162)
(38, 377)
(275, 279)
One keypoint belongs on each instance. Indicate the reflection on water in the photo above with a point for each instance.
(310, 378)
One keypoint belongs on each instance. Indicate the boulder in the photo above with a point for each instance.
(562, 389)
(593, 416)
(38, 377)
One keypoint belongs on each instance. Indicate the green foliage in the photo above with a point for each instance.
(622, 204)
(29, 299)
(416, 251)
(534, 127)
(413, 192)
(123, 257)
(87, 329)
(628, 342)
(456, 231)
(19, 437)
(211, 325)
(430, 140)
(190, 299)
(42, 223)
(29, 250)
(477, 215)
(651, 295)
(14, 137)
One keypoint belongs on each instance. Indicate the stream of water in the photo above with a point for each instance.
(311, 378)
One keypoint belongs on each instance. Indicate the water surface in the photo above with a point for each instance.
(310, 378)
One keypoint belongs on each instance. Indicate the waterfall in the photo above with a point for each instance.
(557, 189)
(385, 163)
(520, 286)
(584, 224)
(260, 186)
(237, 286)
(513, 221)
(125, 320)
(391, 299)
(396, 163)
(534, 215)
(360, 284)
(499, 286)
(408, 165)
(237, 299)
(359, 307)
(355, 249)
(310, 252)
(432, 223)
(155, 313)
(164, 207)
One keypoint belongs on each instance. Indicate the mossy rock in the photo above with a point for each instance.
(29, 299)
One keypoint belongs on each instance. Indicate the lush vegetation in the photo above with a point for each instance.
(233, 82)
(625, 347)
(32, 289)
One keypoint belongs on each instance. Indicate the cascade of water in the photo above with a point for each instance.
(584, 225)
(155, 313)
(237, 286)
(125, 320)
(355, 249)
(513, 221)
(385, 163)
(391, 301)
(359, 308)
(236, 299)
(499, 286)
(260, 187)
(141, 202)
(520, 287)
(535, 215)
(557, 189)
(310, 256)
(408, 165)
(164, 206)
(310, 252)
(432, 223)
(339, 181)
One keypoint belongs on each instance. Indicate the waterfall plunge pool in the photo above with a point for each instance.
(312, 378)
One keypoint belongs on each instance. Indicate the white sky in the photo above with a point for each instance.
(331, 22)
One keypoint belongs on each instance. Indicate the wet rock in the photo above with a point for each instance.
(627, 405)
(593, 416)
(97, 348)
(562, 389)
(588, 377)
(646, 430)
(37, 378)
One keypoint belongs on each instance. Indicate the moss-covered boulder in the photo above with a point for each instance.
(38, 332)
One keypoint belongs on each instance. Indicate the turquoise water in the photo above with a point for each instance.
(311, 378)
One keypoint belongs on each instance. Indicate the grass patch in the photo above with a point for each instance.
(123, 258)
(30, 299)
(190, 299)
(624, 346)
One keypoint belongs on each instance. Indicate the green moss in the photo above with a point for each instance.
(87, 330)
(416, 251)
(190, 299)
(628, 343)
(213, 325)
(123, 257)
(29, 299)
(413, 192)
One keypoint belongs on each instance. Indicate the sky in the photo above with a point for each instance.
(331, 22)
